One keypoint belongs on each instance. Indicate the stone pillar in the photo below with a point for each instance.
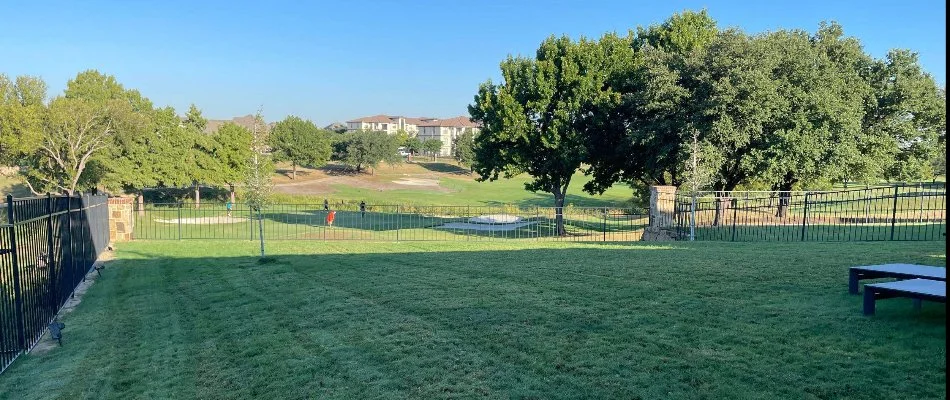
(120, 219)
(662, 214)
(662, 206)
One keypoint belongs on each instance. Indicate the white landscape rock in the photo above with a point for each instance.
(484, 227)
(203, 220)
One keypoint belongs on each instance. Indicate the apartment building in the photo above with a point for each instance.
(386, 123)
(445, 130)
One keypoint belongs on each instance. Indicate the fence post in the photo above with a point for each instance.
(68, 250)
(804, 216)
(605, 224)
(49, 250)
(894, 211)
(537, 222)
(398, 220)
(179, 221)
(18, 295)
(735, 215)
(692, 219)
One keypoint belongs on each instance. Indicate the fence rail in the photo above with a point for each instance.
(880, 213)
(47, 245)
(917, 212)
(385, 222)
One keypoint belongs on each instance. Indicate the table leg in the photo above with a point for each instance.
(869, 299)
(853, 282)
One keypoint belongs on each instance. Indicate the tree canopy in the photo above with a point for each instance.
(99, 135)
(432, 146)
(783, 109)
(369, 148)
(530, 121)
(778, 110)
(299, 142)
(463, 148)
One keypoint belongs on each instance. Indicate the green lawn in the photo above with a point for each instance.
(196, 319)
(465, 191)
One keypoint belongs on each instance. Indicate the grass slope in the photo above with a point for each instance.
(500, 320)
(462, 187)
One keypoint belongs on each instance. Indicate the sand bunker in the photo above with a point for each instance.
(417, 182)
(494, 219)
(484, 227)
(203, 220)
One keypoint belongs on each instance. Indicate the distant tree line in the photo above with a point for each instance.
(779, 110)
(98, 134)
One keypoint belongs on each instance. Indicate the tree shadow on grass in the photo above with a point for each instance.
(444, 168)
(434, 223)
(547, 200)
(17, 190)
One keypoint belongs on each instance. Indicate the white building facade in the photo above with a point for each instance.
(445, 130)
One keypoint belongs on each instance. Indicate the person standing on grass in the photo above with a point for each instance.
(362, 209)
(326, 205)
(330, 217)
(229, 206)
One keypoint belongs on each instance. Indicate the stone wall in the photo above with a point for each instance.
(120, 219)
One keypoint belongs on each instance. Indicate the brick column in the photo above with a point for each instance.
(120, 219)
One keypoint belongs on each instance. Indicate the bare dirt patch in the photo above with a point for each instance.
(323, 181)
(417, 182)
(362, 181)
(46, 343)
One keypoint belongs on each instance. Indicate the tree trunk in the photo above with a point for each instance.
(197, 197)
(785, 196)
(141, 200)
(559, 212)
(722, 205)
(784, 200)
(293, 175)
(260, 227)
(232, 193)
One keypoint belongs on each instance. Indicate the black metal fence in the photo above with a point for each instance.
(902, 212)
(47, 245)
(386, 222)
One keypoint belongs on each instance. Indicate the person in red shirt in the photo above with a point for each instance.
(330, 217)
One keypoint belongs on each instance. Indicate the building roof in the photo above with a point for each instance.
(460, 121)
(374, 118)
(418, 121)
(246, 121)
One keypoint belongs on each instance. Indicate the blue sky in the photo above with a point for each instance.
(337, 60)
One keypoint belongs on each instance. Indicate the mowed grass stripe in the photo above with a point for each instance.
(542, 320)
